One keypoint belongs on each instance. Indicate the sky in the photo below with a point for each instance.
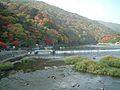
(103, 10)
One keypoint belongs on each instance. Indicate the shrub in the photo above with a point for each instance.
(85, 65)
(111, 61)
(106, 66)
(73, 60)
(26, 61)
(80, 66)
(6, 66)
(114, 72)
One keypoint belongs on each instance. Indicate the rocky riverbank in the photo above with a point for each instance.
(36, 74)
(57, 78)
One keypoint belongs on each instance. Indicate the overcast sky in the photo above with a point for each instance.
(105, 10)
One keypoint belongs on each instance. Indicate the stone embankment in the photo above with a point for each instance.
(11, 55)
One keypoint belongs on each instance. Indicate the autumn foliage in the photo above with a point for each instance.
(110, 38)
(3, 45)
(47, 41)
(24, 26)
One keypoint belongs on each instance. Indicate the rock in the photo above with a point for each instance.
(47, 67)
(73, 86)
(76, 85)
(26, 83)
(16, 62)
(53, 77)
(55, 67)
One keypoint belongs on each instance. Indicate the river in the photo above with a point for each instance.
(57, 76)
(95, 52)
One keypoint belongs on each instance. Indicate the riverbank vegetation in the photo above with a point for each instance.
(106, 66)
(6, 66)
(27, 64)
(73, 59)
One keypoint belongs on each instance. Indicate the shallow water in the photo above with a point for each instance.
(95, 52)
(58, 78)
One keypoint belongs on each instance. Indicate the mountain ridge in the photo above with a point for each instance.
(60, 13)
(51, 25)
(114, 26)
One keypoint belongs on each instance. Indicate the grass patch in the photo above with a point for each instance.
(26, 61)
(91, 67)
(111, 61)
(6, 66)
(106, 66)
(73, 59)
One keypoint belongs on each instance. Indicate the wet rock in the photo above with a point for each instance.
(53, 77)
(73, 85)
(76, 85)
(47, 67)
(26, 84)
(55, 67)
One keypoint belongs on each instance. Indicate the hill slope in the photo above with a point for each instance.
(115, 27)
(41, 23)
(81, 29)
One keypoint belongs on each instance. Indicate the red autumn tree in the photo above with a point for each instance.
(3, 45)
(16, 43)
(47, 41)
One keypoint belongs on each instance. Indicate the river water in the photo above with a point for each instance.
(58, 78)
(62, 77)
(95, 52)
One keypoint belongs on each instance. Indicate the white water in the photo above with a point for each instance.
(86, 51)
